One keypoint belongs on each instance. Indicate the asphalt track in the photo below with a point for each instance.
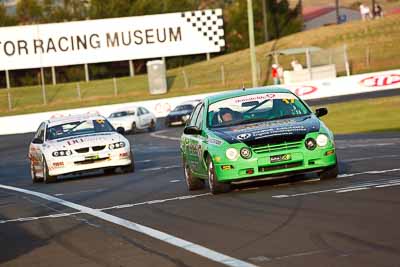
(351, 221)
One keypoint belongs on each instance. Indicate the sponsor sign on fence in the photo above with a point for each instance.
(104, 40)
(357, 84)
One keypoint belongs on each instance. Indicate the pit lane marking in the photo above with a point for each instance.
(160, 135)
(156, 234)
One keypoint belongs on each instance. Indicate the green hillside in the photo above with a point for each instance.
(371, 46)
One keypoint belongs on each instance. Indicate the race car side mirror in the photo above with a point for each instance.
(37, 141)
(192, 130)
(321, 112)
(120, 130)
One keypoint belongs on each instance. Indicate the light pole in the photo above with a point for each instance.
(252, 43)
(265, 20)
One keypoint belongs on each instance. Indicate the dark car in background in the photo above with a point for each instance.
(180, 114)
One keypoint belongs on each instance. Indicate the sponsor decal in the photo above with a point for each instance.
(244, 136)
(58, 164)
(162, 108)
(279, 158)
(380, 80)
(289, 130)
(213, 141)
(124, 155)
(305, 90)
(75, 141)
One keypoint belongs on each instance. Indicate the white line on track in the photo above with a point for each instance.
(370, 158)
(143, 161)
(81, 192)
(123, 206)
(172, 240)
(161, 168)
(352, 189)
(363, 186)
(160, 135)
(367, 172)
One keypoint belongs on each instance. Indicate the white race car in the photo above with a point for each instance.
(133, 119)
(74, 144)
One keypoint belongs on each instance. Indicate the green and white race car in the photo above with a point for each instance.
(255, 133)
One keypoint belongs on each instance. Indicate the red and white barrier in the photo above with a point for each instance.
(356, 84)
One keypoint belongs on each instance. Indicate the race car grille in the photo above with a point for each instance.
(279, 167)
(82, 150)
(276, 148)
(98, 148)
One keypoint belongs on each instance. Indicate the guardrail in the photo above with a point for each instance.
(356, 84)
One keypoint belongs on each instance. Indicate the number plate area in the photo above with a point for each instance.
(280, 158)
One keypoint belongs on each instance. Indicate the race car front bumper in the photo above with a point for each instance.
(91, 161)
(301, 161)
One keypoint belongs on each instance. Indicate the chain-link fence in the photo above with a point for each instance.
(222, 73)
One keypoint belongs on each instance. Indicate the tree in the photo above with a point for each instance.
(282, 20)
(5, 20)
(29, 11)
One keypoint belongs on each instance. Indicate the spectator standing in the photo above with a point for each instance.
(377, 11)
(296, 65)
(365, 12)
(275, 74)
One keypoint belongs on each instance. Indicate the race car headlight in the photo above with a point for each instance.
(232, 153)
(185, 117)
(245, 153)
(62, 153)
(310, 143)
(322, 140)
(116, 145)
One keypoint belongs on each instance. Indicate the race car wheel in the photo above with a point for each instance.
(192, 182)
(46, 177)
(330, 173)
(167, 124)
(152, 126)
(109, 171)
(131, 167)
(134, 129)
(35, 179)
(215, 186)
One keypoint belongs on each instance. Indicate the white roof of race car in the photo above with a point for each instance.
(130, 108)
(71, 118)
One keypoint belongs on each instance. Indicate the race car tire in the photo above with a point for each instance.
(152, 126)
(193, 183)
(215, 186)
(35, 179)
(134, 129)
(330, 173)
(46, 177)
(167, 124)
(131, 167)
(109, 171)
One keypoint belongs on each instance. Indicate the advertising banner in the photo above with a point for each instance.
(105, 40)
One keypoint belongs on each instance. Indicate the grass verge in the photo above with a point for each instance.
(364, 116)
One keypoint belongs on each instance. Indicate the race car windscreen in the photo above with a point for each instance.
(183, 107)
(256, 107)
(78, 128)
